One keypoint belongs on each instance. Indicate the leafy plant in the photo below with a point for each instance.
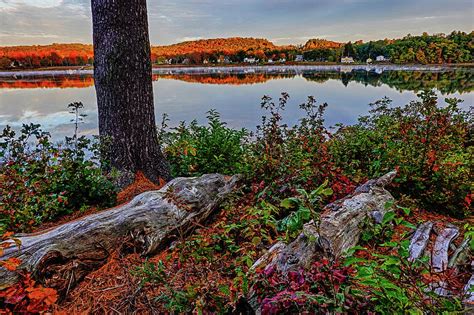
(306, 207)
(429, 145)
(42, 181)
(397, 285)
(25, 296)
(383, 231)
(324, 288)
(194, 150)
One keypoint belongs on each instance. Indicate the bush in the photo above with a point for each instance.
(194, 150)
(399, 286)
(430, 146)
(42, 181)
(323, 289)
(283, 159)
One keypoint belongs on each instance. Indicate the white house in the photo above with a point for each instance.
(381, 58)
(250, 60)
(299, 58)
(282, 60)
(347, 60)
(270, 60)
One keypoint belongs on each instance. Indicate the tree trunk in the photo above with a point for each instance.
(62, 256)
(123, 82)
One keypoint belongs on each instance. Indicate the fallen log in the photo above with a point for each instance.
(420, 240)
(469, 293)
(62, 256)
(339, 230)
(341, 220)
(439, 255)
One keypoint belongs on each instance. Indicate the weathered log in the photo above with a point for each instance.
(439, 256)
(341, 220)
(420, 240)
(62, 256)
(339, 230)
(468, 300)
(459, 253)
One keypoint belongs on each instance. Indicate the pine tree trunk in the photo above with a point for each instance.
(123, 82)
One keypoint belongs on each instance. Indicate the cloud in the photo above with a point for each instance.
(284, 21)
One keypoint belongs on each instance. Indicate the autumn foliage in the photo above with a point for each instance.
(46, 56)
(225, 46)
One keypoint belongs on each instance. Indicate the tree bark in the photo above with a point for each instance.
(123, 82)
(62, 256)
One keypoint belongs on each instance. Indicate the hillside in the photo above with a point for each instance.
(48, 55)
(455, 47)
(225, 45)
(321, 44)
(81, 54)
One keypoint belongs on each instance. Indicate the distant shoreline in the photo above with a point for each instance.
(245, 69)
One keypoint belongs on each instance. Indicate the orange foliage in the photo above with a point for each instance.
(227, 46)
(48, 55)
(81, 54)
(228, 79)
(321, 44)
(53, 82)
(26, 297)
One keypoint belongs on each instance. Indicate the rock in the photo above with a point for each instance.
(72, 250)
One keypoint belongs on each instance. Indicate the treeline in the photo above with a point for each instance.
(53, 55)
(221, 50)
(457, 47)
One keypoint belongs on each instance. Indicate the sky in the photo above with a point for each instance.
(27, 22)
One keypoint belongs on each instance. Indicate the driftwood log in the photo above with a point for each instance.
(62, 256)
(338, 231)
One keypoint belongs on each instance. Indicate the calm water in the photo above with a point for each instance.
(187, 96)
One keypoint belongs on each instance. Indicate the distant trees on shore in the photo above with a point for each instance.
(456, 47)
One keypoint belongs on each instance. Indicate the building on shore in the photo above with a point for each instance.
(347, 60)
(250, 60)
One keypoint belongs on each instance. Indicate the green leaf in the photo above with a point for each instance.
(256, 240)
(388, 217)
(289, 203)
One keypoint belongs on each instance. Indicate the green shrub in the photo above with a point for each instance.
(429, 145)
(41, 181)
(399, 286)
(193, 150)
(282, 159)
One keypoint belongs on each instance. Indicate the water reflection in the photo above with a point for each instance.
(236, 96)
(447, 82)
